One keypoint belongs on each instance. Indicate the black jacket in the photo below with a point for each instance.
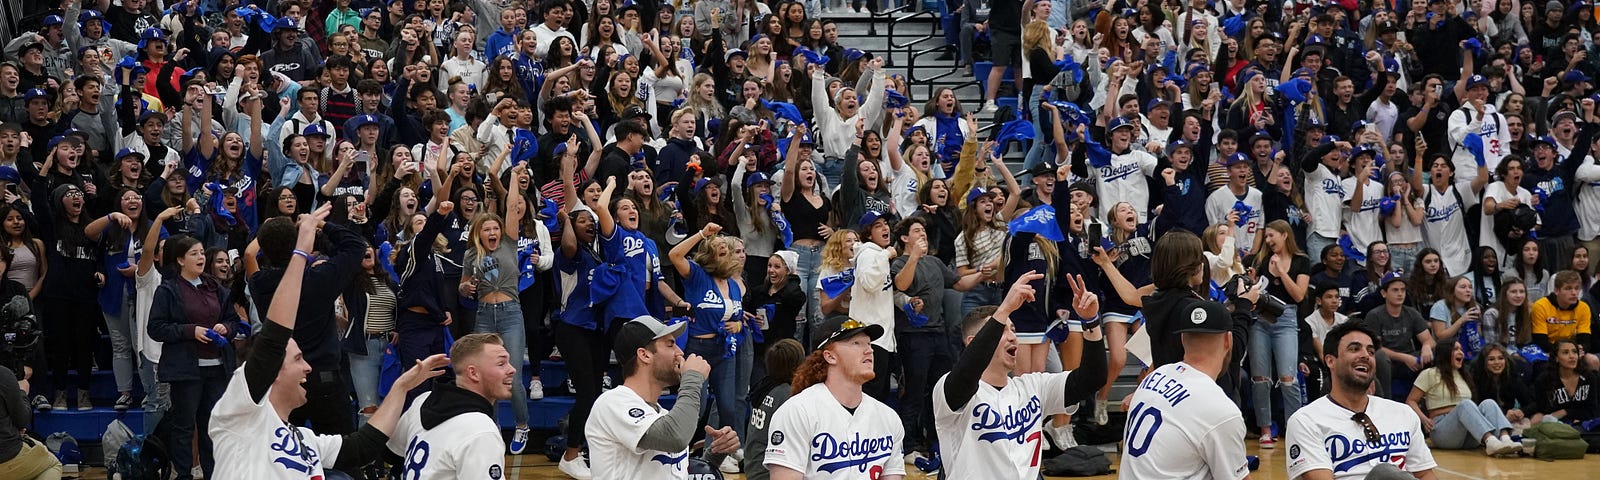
(315, 329)
(1160, 309)
(170, 325)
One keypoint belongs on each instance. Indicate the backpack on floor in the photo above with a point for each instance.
(66, 451)
(1556, 441)
(1079, 461)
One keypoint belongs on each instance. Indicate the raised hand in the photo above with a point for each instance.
(1084, 301)
(1020, 294)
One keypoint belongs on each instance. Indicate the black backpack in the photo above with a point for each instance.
(1079, 461)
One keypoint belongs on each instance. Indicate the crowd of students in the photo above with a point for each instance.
(549, 171)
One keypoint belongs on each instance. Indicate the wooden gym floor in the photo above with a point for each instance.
(1470, 465)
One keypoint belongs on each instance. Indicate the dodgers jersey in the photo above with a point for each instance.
(999, 432)
(1198, 431)
(814, 435)
(466, 446)
(619, 419)
(1323, 436)
(251, 442)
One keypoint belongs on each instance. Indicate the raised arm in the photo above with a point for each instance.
(1010, 207)
(680, 253)
(608, 225)
(791, 163)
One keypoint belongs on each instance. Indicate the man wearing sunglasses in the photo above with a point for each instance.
(1350, 434)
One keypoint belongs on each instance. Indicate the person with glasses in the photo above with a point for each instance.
(1350, 434)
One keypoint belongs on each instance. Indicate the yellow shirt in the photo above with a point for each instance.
(1436, 395)
(1558, 324)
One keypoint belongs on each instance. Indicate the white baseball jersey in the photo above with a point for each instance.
(999, 432)
(1324, 436)
(814, 435)
(1124, 180)
(1196, 430)
(252, 443)
(619, 419)
(465, 446)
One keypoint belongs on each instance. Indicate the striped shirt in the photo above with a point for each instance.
(986, 249)
(380, 308)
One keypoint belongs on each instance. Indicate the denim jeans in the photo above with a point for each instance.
(157, 395)
(810, 259)
(832, 168)
(505, 319)
(1465, 425)
(721, 382)
(1274, 356)
(1315, 243)
(1404, 255)
(1036, 153)
(364, 372)
(983, 294)
(122, 332)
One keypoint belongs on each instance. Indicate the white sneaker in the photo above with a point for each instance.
(729, 465)
(1062, 436)
(914, 456)
(1100, 416)
(990, 107)
(1494, 446)
(519, 440)
(577, 468)
(536, 390)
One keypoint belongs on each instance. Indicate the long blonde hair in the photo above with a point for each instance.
(1036, 34)
(477, 226)
(1289, 247)
(719, 265)
(835, 254)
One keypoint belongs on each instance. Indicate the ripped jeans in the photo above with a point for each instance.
(1275, 351)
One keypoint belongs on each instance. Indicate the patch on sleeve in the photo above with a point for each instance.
(636, 412)
(777, 438)
(494, 472)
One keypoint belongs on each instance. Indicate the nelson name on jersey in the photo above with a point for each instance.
(1168, 388)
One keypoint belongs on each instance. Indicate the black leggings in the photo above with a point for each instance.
(190, 419)
(587, 354)
(536, 301)
(72, 333)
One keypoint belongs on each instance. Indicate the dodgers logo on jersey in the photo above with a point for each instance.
(1013, 424)
(1118, 172)
(1347, 453)
(674, 461)
(1436, 214)
(295, 456)
(1332, 187)
(856, 452)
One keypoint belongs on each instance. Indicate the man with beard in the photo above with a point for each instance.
(984, 415)
(254, 437)
(629, 434)
(451, 432)
(1350, 434)
(831, 429)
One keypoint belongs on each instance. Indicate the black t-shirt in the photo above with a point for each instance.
(1297, 267)
(1005, 16)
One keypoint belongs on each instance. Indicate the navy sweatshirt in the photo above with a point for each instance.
(1559, 215)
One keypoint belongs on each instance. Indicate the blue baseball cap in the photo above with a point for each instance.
(361, 121)
(869, 218)
(725, 57)
(10, 174)
(51, 21)
(33, 93)
(756, 178)
(1480, 81)
(1157, 103)
(126, 152)
(1236, 158)
(314, 130)
(976, 193)
(1574, 76)
(1118, 123)
(152, 33)
(284, 23)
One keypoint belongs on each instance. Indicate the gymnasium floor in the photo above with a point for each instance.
(1470, 465)
(1452, 465)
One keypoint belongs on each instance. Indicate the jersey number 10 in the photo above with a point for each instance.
(1142, 425)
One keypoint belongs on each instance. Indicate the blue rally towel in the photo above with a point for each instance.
(604, 282)
(683, 338)
(838, 283)
(1533, 353)
(385, 252)
(1295, 90)
(1245, 212)
(526, 269)
(524, 146)
(390, 371)
(893, 99)
(1350, 250)
(778, 220)
(786, 111)
(1474, 144)
(1040, 220)
(1386, 205)
(1099, 156)
(917, 320)
(216, 202)
(549, 214)
(1017, 130)
(1234, 26)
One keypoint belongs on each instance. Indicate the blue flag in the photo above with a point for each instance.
(524, 146)
(838, 283)
(893, 99)
(1350, 250)
(385, 250)
(216, 202)
(1474, 144)
(1040, 220)
(1017, 130)
(917, 320)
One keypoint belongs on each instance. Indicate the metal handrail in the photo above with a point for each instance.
(872, 28)
(911, 73)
